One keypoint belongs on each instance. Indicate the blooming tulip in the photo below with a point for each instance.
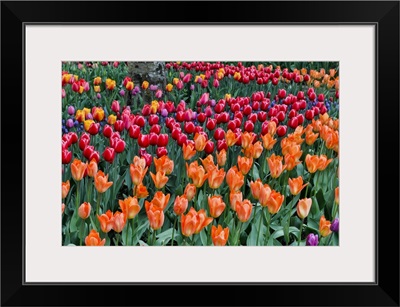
(303, 207)
(243, 210)
(78, 169)
(93, 239)
(324, 227)
(129, 206)
(296, 185)
(216, 205)
(84, 210)
(219, 235)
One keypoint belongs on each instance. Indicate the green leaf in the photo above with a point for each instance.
(74, 221)
(127, 229)
(314, 207)
(256, 174)
(203, 237)
(164, 237)
(300, 169)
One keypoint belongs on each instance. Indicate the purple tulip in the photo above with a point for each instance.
(213, 102)
(312, 240)
(164, 113)
(335, 225)
(153, 87)
(136, 90)
(192, 87)
(63, 93)
(98, 96)
(71, 110)
(69, 123)
(122, 92)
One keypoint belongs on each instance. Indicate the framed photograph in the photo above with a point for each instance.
(199, 149)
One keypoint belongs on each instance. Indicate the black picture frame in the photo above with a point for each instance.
(383, 14)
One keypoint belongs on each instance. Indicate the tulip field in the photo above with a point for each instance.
(219, 154)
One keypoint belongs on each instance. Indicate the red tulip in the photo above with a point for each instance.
(84, 140)
(281, 93)
(134, 131)
(211, 123)
(146, 110)
(189, 127)
(119, 125)
(66, 156)
(88, 151)
(147, 157)
(201, 117)
(300, 119)
(153, 138)
(139, 120)
(321, 97)
(209, 148)
(293, 123)
(300, 95)
(221, 144)
(95, 155)
(143, 140)
(161, 151)
(249, 126)
(281, 130)
(309, 114)
(292, 113)
(107, 131)
(153, 119)
(281, 116)
(219, 134)
(162, 140)
(323, 110)
(109, 154)
(312, 96)
(119, 145)
(180, 116)
(155, 129)
(73, 137)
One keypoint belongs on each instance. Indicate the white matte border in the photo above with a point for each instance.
(48, 261)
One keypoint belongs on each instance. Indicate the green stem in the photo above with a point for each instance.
(301, 229)
(334, 211)
(330, 238)
(78, 186)
(82, 231)
(133, 230)
(98, 203)
(117, 235)
(173, 231)
(89, 189)
(259, 226)
(154, 238)
(238, 234)
(268, 218)
(126, 236)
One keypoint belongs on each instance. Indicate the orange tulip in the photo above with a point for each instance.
(324, 132)
(275, 165)
(231, 138)
(296, 185)
(180, 204)
(199, 141)
(265, 194)
(311, 137)
(159, 179)
(164, 164)
(78, 169)
(92, 168)
(337, 196)
(255, 187)
(216, 177)
(141, 191)
(243, 210)
(106, 221)
(160, 200)
(217, 206)
(303, 207)
(221, 158)
(244, 164)
(219, 235)
(203, 221)
(155, 215)
(323, 162)
(208, 163)
(271, 128)
(65, 186)
(332, 141)
(291, 161)
(312, 163)
(295, 138)
(101, 182)
(324, 227)
(247, 139)
(119, 221)
(253, 150)
(129, 206)
(97, 81)
(235, 197)
(145, 85)
(268, 141)
(93, 239)
(110, 84)
(189, 222)
(299, 131)
(274, 202)
(188, 151)
(196, 173)
(324, 118)
(84, 210)
(234, 179)
(138, 171)
(190, 191)
(317, 125)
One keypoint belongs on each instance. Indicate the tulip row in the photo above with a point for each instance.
(237, 171)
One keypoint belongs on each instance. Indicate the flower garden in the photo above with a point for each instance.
(222, 154)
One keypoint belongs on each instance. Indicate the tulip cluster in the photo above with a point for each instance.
(221, 154)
